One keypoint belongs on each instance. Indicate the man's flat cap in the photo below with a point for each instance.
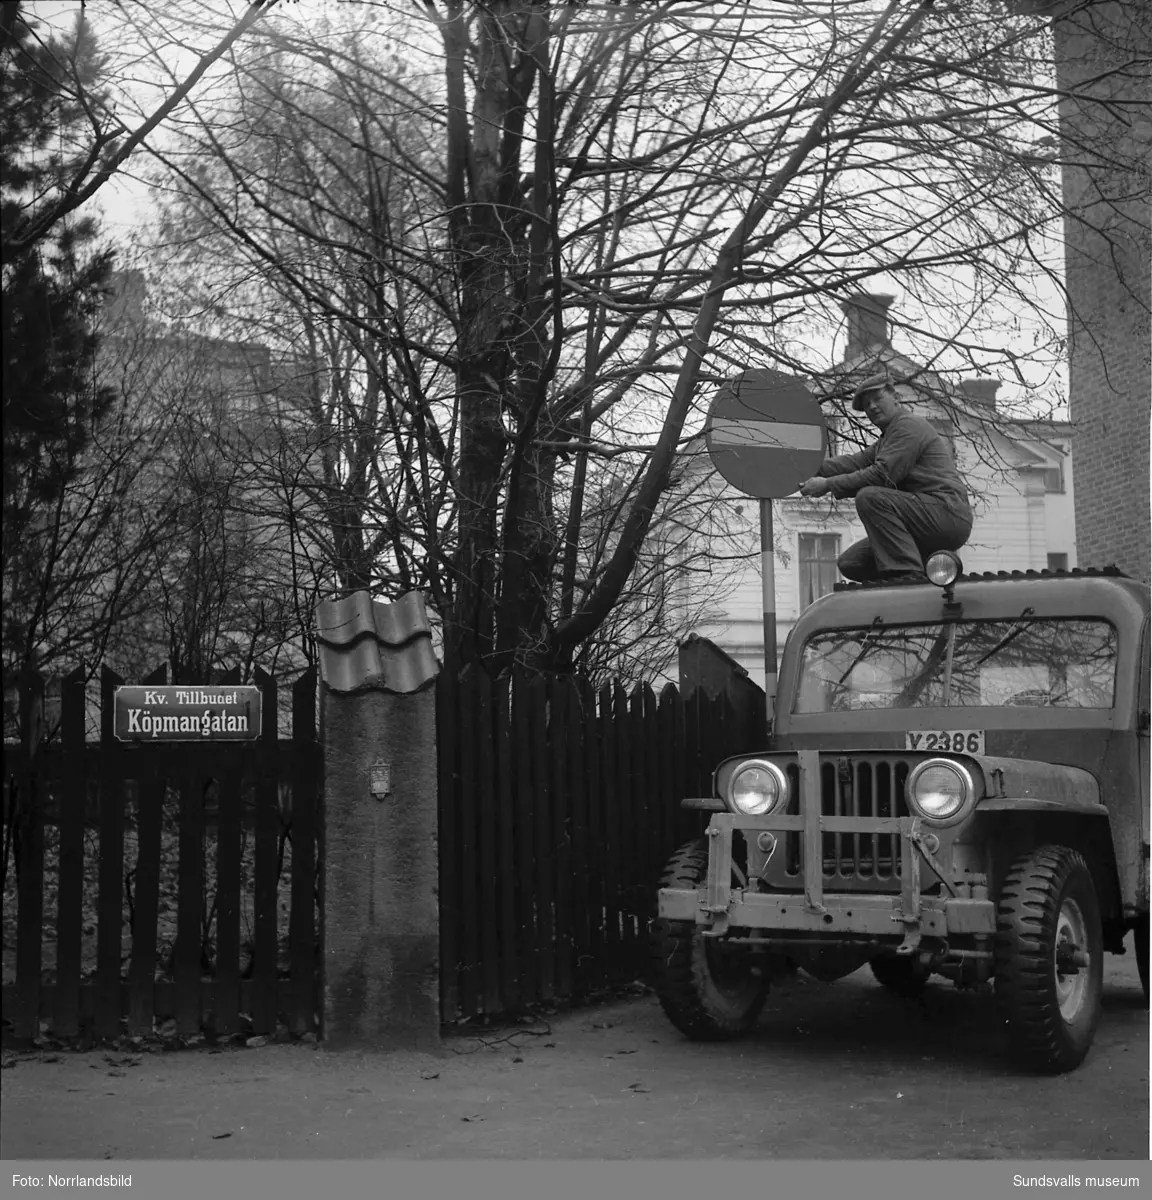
(871, 384)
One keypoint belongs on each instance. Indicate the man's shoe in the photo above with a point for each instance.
(903, 577)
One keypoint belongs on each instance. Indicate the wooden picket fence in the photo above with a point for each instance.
(165, 883)
(559, 805)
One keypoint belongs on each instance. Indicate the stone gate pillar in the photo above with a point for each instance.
(381, 916)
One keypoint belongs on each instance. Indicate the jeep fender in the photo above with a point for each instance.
(1028, 804)
(1024, 784)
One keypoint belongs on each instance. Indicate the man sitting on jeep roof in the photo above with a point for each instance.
(909, 495)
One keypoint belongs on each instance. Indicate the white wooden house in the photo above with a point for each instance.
(1019, 473)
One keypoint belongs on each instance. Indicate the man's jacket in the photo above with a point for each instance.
(910, 457)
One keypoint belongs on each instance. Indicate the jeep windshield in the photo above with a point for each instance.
(1018, 661)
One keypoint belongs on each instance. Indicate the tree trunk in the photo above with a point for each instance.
(478, 242)
(529, 541)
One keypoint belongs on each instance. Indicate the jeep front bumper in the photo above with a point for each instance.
(723, 907)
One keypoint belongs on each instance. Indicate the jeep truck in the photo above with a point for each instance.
(956, 783)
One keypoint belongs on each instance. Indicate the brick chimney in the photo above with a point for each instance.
(867, 323)
(983, 391)
(126, 303)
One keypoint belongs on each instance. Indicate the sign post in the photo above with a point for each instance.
(766, 435)
(768, 599)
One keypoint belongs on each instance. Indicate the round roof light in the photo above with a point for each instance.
(944, 568)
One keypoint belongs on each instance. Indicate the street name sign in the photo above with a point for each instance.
(765, 433)
(187, 713)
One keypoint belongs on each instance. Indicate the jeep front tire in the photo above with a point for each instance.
(706, 994)
(1049, 958)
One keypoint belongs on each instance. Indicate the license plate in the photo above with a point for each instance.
(946, 741)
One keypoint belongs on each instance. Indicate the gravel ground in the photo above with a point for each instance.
(834, 1071)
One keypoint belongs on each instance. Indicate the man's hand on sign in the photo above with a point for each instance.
(816, 486)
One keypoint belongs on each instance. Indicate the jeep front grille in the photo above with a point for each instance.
(850, 786)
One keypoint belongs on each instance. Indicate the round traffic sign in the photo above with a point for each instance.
(766, 433)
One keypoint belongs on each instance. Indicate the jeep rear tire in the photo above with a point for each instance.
(708, 995)
(1049, 958)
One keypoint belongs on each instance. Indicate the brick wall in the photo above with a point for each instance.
(1108, 258)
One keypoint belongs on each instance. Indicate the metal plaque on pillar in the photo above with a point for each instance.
(766, 435)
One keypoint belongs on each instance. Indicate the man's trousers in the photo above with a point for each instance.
(903, 529)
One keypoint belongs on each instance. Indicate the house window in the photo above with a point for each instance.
(1054, 474)
(1057, 562)
(817, 559)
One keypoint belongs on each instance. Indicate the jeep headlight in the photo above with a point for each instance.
(939, 788)
(757, 787)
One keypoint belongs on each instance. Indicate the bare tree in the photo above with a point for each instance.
(104, 142)
(514, 241)
(224, 586)
(158, 548)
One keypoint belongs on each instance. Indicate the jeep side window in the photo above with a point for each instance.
(1044, 662)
